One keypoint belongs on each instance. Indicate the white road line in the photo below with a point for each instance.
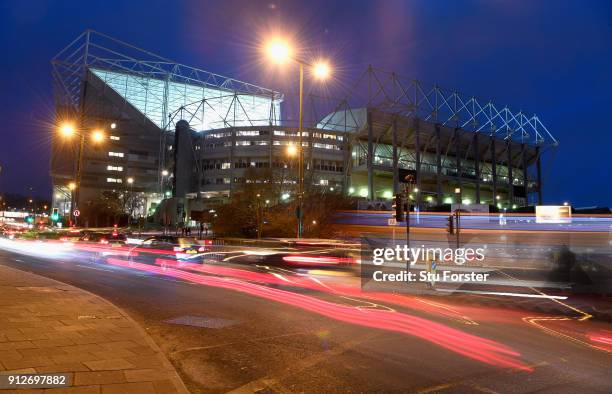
(93, 268)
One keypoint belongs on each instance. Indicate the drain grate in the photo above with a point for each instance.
(201, 321)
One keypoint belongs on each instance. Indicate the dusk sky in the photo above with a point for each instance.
(552, 58)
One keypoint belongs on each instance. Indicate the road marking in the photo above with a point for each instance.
(196, 348)
(534, 320)
(464, 319)
(93, 268)
(504, 294)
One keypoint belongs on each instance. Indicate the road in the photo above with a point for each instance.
(280, 331)
(482, 222)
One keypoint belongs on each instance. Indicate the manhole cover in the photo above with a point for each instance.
(201, 321)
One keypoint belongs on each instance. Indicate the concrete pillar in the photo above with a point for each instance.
(494, 169)
(525, 166)
(417, 164)
(370, 157)
(183, 160)
(440, 197)
(232, 164)
(396, 187)
(477, 167)
(346, 164)
(539, 169)
(510, 174)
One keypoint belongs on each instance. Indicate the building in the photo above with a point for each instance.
(232, 130)
(448, 141)
(103, 85)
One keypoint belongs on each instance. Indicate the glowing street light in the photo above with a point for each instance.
(165, 172)
(113, 125)
(72, 186)
(292, 150)
(321, 70)
(97, 136)
(278, 50)
(67, 130)
(130, 180)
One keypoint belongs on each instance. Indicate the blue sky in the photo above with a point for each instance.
(552, 58)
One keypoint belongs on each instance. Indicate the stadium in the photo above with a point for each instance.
(460, 149)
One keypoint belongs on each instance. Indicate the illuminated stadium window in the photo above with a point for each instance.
(114, 168)
(115, 138)
(115, 154)
(114, 180)
(247, 133)
(226, 166)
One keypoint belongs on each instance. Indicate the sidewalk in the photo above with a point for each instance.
(47, 326)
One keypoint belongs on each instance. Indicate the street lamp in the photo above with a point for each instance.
(67, 130)
(292, 150)
(97, 136)
(458, 213)
(280, 52)
(130, 182)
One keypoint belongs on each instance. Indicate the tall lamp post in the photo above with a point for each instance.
(280, 52)
(67, 131)
(458, 213)
(130, 182)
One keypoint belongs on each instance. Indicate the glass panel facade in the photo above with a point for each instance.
(156, 99)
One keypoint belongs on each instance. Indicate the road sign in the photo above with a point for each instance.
(392, 222)
(76, 213)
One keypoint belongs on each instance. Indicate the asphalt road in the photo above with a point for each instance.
(312, 333)
(482, 222)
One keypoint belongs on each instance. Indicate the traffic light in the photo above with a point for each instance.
(399, 208)
(55, 215)
(450, 226)
(29, 219)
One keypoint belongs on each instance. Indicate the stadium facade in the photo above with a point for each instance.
(359, 146)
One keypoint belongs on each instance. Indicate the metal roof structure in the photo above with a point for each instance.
(388, 92)
(116, 61)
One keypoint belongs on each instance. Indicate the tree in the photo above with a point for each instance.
(109, 208)
(258, 210)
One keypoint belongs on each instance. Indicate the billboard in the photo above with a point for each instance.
(553, 214)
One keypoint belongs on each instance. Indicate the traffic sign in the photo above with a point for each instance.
(76, 213)
(392, 222)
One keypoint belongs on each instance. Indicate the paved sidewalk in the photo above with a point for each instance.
(47, 326)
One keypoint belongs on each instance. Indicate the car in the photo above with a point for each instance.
(167, 247)
(113, 239)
